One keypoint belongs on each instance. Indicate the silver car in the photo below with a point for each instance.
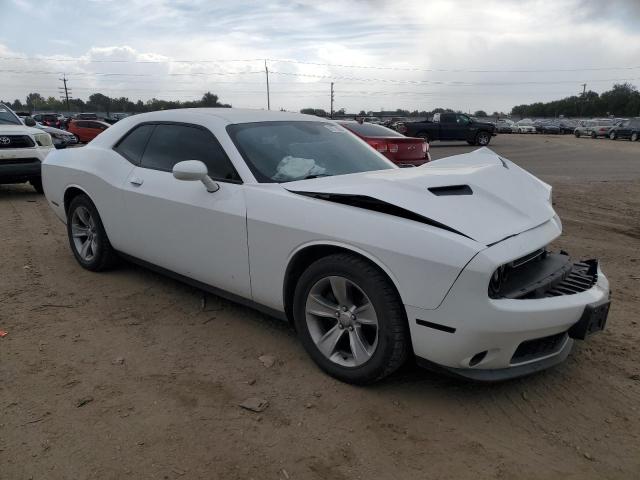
(594, 128)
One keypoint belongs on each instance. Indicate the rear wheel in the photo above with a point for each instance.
(634, 137)
(612, 135)
(577, 134)
(350, 319)
(36, 183)
(483, 138)
(594, 135)
(87, 237)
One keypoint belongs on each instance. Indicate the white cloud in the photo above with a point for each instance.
(444, 36)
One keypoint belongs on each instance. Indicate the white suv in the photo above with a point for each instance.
(22, 149)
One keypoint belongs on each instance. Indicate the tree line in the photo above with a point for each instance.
(623, 100)
(103, 103)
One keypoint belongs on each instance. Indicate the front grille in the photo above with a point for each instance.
(19, 161)
(583, 276)
(538, 348)
(542, 274)
(16, 141)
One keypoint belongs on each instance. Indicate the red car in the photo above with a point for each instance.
(401, 150)
(87, 130)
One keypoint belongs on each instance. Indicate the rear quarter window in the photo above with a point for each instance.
(133, 144)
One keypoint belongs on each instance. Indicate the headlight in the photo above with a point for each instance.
(43, 139)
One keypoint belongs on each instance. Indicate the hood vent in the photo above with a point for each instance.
(451, 190)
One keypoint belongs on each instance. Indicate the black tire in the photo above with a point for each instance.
(104, 256)
(593, 135)
(424, 136)
(393, 344)
(483, 139)
(577, 134)
(36, 183)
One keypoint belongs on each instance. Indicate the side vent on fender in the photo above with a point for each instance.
(450, 190)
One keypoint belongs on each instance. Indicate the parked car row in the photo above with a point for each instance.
(594, 128)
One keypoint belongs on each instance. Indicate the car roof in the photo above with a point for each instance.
(228, 115)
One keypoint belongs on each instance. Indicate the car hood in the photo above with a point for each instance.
(52, 130)
(17, 130)
(479, 195)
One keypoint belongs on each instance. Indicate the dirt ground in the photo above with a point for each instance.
(128, 374)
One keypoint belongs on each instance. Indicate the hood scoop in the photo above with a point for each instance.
(450, 190)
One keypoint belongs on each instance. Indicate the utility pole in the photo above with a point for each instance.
(584, 91)
(331, 109)
(266, 71)
(66, 91)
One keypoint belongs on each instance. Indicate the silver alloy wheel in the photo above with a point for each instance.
(342, 321)
(612, 136)
(84, 233)
(483, 138)
(634, 137)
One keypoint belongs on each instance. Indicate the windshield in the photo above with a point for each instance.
(370, 129)
(287, 151)
(7, 117)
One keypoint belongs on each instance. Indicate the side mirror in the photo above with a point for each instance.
(29, 122)
(194, 170)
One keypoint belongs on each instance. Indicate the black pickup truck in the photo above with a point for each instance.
(450, 126)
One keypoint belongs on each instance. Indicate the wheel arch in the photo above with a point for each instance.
(71, 192)
(306, 254)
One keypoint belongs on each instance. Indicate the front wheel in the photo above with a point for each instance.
(36, 183)
(350, 319)
(87, 237)
(483, 138)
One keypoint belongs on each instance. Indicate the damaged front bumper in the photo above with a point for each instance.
(530, 323)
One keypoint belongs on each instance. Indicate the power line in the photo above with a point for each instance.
(322, 64)
(307, 75)
(121, 74)
(443, 82)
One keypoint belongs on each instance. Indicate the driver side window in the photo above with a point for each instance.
(462, 119)
(173, 143)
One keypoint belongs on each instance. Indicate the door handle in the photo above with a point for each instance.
(136, 181)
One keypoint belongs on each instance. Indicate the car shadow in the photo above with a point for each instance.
(409, 381)
(18, 190)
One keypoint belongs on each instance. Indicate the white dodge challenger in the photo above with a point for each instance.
(372, 264)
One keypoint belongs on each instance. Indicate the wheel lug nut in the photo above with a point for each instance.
(344, 309)
(353, 317)
(340, 326)
(351, 329)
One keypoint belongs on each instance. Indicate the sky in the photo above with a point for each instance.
(410, 54)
